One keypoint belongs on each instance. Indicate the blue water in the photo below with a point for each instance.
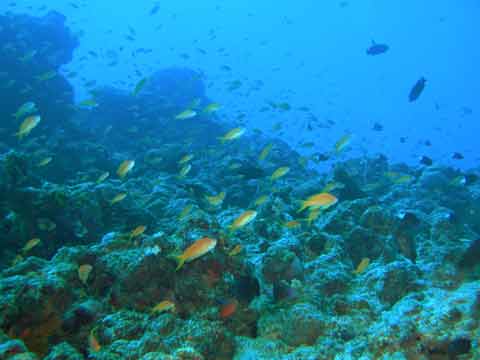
(306, 53)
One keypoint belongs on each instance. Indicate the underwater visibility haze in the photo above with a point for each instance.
(239, 180)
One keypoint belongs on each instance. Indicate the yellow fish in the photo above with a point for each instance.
(125, 167)
(322, 200)
(103, 177)
(45, 161)
(292, 224)
(31, 244)
(194, 251)
(93, 343)
(261, 200)
(211, 108)
(46, 76)
(332, 186)
(88, 103)
(118, 198)
(266, 150)
(232, 135)
(165, 305)
(403, 179)
(362, 266)
(185, 159)
(186, 114)
(185, 170)
(236, 250)
(139, 230)
(244, 219)
(341, 144)
(186, 210)
(28, 125)
(280, 172)
(84, 272)
(45, 224)
(216, 200)
(140, 85)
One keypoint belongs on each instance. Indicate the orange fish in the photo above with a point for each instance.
(244, 219)
(228, 309)
(362, 266)
(84, 272)
(125, 167)
(292, 224)
(197, 249)
(93, 343)
(322, 200)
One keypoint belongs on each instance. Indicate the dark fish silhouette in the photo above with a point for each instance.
(417, 89)
(425, 160)
(457, 156)
(377, 49)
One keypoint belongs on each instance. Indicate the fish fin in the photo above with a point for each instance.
(303, 207)
(181, 260)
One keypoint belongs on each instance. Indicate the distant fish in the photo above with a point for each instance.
(417, 89)
(103, 177)
(237, 249)
(425, 160)
(27, 126)
(317, 201)
(232, 134)
(140, 85)
(184, 171)
(457, 156)
(118, 198)
(211, 108)
(125, 167)
(46, 76)
(362, 266)
(216, 200)
(244, 219)
(25, 109)
(45, 161)
(377, 49)
(84, 272)
(280, 172)
(228, 309)
(261, 200)
(93, 343)
(31, 244)
(341, 144)
(186, 114)
(266, 150)
(196, 250)
(139, 230)
(184, 213)
(165, 305)
(185, 159)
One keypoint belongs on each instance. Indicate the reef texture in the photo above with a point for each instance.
(282, 287)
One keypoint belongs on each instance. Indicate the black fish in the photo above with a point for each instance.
(377, 49)
(417, 89)
(457, 156)
(246, 288)
(377, 127)
(403, 140)
(425, 160)
(470, 179)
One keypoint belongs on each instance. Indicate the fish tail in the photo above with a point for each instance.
(180, 260)
(303, 207)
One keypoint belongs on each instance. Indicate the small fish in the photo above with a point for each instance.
(228, 309)
(362, 266)
(118, 198)
(46, 76)
(332, 186)
(84, 272)
(341, 144)
(45, 224)
(236, 250)
(261, 200)
(457, 156)
(280, 172)
(185, 170)
(321, 200)
(460, 180)
(28, 56)
(377, 49)
(425, 160)
(244, 219)
(93, 343)
(403, 179)
(196, 250)
(186, 210)
(125, 167)
(103, 177)
(165, 305)
(25, 109)
(28, 125)
(186, 114)
(292, 224)
(216, 200)
(185, 159)
(45, 161)
(232, 135)
(139, 230)
(88, 103)
(417, 89)
(31, 244)
(211, 108)
(140, 85)
(266, 150)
